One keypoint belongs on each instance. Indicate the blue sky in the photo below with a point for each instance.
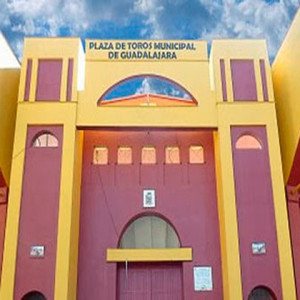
(147, 19)
(146, 85)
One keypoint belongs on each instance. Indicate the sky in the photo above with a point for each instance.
(147, 19)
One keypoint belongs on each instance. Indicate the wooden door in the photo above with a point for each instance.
(150, 281)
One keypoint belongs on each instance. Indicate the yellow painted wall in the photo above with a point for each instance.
(286, 74)
(240, 49)
(210, 112)
(9, 81)
(48, 113)
(192, 74)
(246, 113)
(50, 48)
(149, 255)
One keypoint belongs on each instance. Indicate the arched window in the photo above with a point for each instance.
(149, 232)
(248, 141)
(261, 293)
(146, 84)
(45, 140)
(34, 295)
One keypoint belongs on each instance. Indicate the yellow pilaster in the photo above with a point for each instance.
(228, 77)
(282, 226)
(240, 114)
(12, 219)
(68, 223)
(33, 81)
(64, 79)
(259, 85)
(227, 214)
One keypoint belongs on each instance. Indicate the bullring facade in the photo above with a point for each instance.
(146, 195)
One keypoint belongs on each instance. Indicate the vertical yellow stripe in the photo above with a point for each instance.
(33, 81)
(229, 83)
(13, 213)
(258, 81)
(232, 284)
(67, 239)
(282, 226)
(64, 79)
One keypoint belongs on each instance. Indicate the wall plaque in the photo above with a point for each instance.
(203, 279)
(259, 248)
(148, 198)
(37, 251)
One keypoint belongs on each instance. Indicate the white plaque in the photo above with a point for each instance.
(148, 198)
(259, 248)
(37, 251)
(203, 279)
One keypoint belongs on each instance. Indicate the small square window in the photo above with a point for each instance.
(124, 156)
(196, 155)
(172, 155)
(148, 155)
(100, 156)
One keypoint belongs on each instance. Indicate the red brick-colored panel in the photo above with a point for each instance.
(3, 211)
(243, 80)
(293, 198)
(150, 281)
(39, 214)
(70, 79)
(255, 212)
(28, 79)
(294, 178)
(264, 79)
(49, 80)
(2, 180)
(223, 78)
(112, 197)
(3, 194)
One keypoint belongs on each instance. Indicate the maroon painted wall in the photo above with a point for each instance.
(294, 213)
(2, 180)
(243, 80)
(150, 281)
(293, 199)
(111, 197)
(39, 215)
(294, 178)
(49, 80)
(28, 79)
(70, 79)
(255, 211)
(3, 211)
(264, 79)
(223, 79)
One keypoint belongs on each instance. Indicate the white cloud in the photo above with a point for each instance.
(206, 19)
(32, 17)
(145, 88)
(254, 19)
(160, 87)
(161, 19)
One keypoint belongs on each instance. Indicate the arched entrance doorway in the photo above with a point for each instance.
(261, 293)
(34, 295)
(150, 281)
